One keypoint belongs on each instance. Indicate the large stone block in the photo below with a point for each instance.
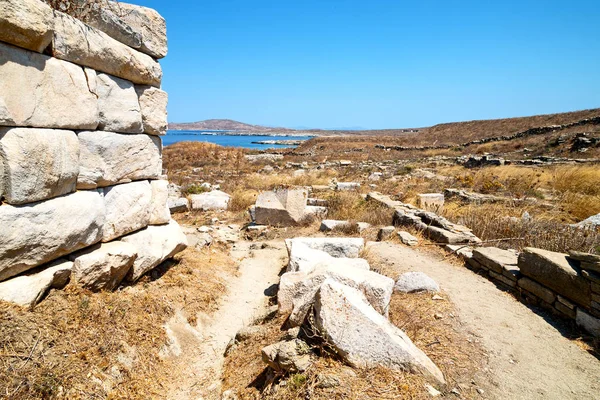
(118, 105)
(334, 246)
(159, 209)
(37, 164)
(28, 290)
(305, 259)
(555, 271)
(364, 337)
(84, 45)
(154, 245)
(26, 23)
(127, 209)
(150, 24)
(498, 260)
(43, 92)
(103, 266)
(214, 200)
(153, 104)
(37, 233)
(284, 207)
(108, 20)
(108, 158)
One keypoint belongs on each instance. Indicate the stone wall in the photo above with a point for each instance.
(81, 114)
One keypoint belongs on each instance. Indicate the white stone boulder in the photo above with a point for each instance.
(385, 233)
(329, 225)
(103, 266)
(411, 282)
(215, 200)
(154, 245)
(178, 205)
(118, 105)
(37, 233)
(127, 209)
(26, 23)
(305, 259)
(151, 25)
(43, 92)
(28, 290)
(407, 238)
(108, 158)
(284, 207)
(297, 290)
(153, 105)
(159, 209)
(37, 164)
(87, 46)
(334, 246)
(364, 337)
(347, 186)
(315, 212)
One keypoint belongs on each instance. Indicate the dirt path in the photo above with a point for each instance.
(199, 350)
(529, 358)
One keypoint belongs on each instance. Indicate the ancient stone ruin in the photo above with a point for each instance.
(81, 114)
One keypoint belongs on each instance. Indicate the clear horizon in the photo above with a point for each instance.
(382, 64)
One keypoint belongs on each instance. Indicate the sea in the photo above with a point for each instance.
(225, 138)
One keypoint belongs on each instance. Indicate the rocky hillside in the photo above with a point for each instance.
(224, 125)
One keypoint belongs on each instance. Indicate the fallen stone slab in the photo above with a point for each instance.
(154, 245)
(215, 200)
(37, 233)
(315, 212)
(27, 24)
(103, 266)
(84, 45)
(335, 247)
(151, 25)
(346, 186)
(588, 262)
(555, 271)
(178, 205)
(290, 356)
(28, 290)
(441, 235)
(108, 158)
(329, 225)
(297, 290)
(408, 239)
(383, 200)
(364, 337)
(37, 164)
(411, 282)
(159, 210)
(43, 92)
(153, 106)
(590, 222)
(285, 207)
(127, 209)
(305, 259)
(498, 260)
(118, 105)
(385, 233)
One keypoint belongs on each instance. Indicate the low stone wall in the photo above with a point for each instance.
(81, 114)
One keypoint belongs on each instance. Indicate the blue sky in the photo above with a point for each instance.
(379, 63)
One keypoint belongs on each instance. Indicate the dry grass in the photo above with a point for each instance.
(82, 345)
(351, 206)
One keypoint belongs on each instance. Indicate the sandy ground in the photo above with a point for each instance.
(199, 350)
(528, 357)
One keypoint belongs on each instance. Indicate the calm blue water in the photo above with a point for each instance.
(226, 140)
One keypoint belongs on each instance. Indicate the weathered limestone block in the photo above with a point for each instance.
(305, 259)
(288, 356)
(103, 266)
(154, 245)
(159, 210)
(28, 290)
(153, 104)
(118, 105)
(41, 232)
(498, 260)
(37, 164)
(554, 271)
(26, 23)
(127, 209)
(214, 200)
(108, 158)
(84, 45)
(297, 290)
(411, 282)
(385, 233)
(538, 290)
(108, 20)
(178, 205)
(407, 238)
(284, 207)
(150, 24)
(335, 247)
(43, 92)
(364, 337)
(328, 225)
